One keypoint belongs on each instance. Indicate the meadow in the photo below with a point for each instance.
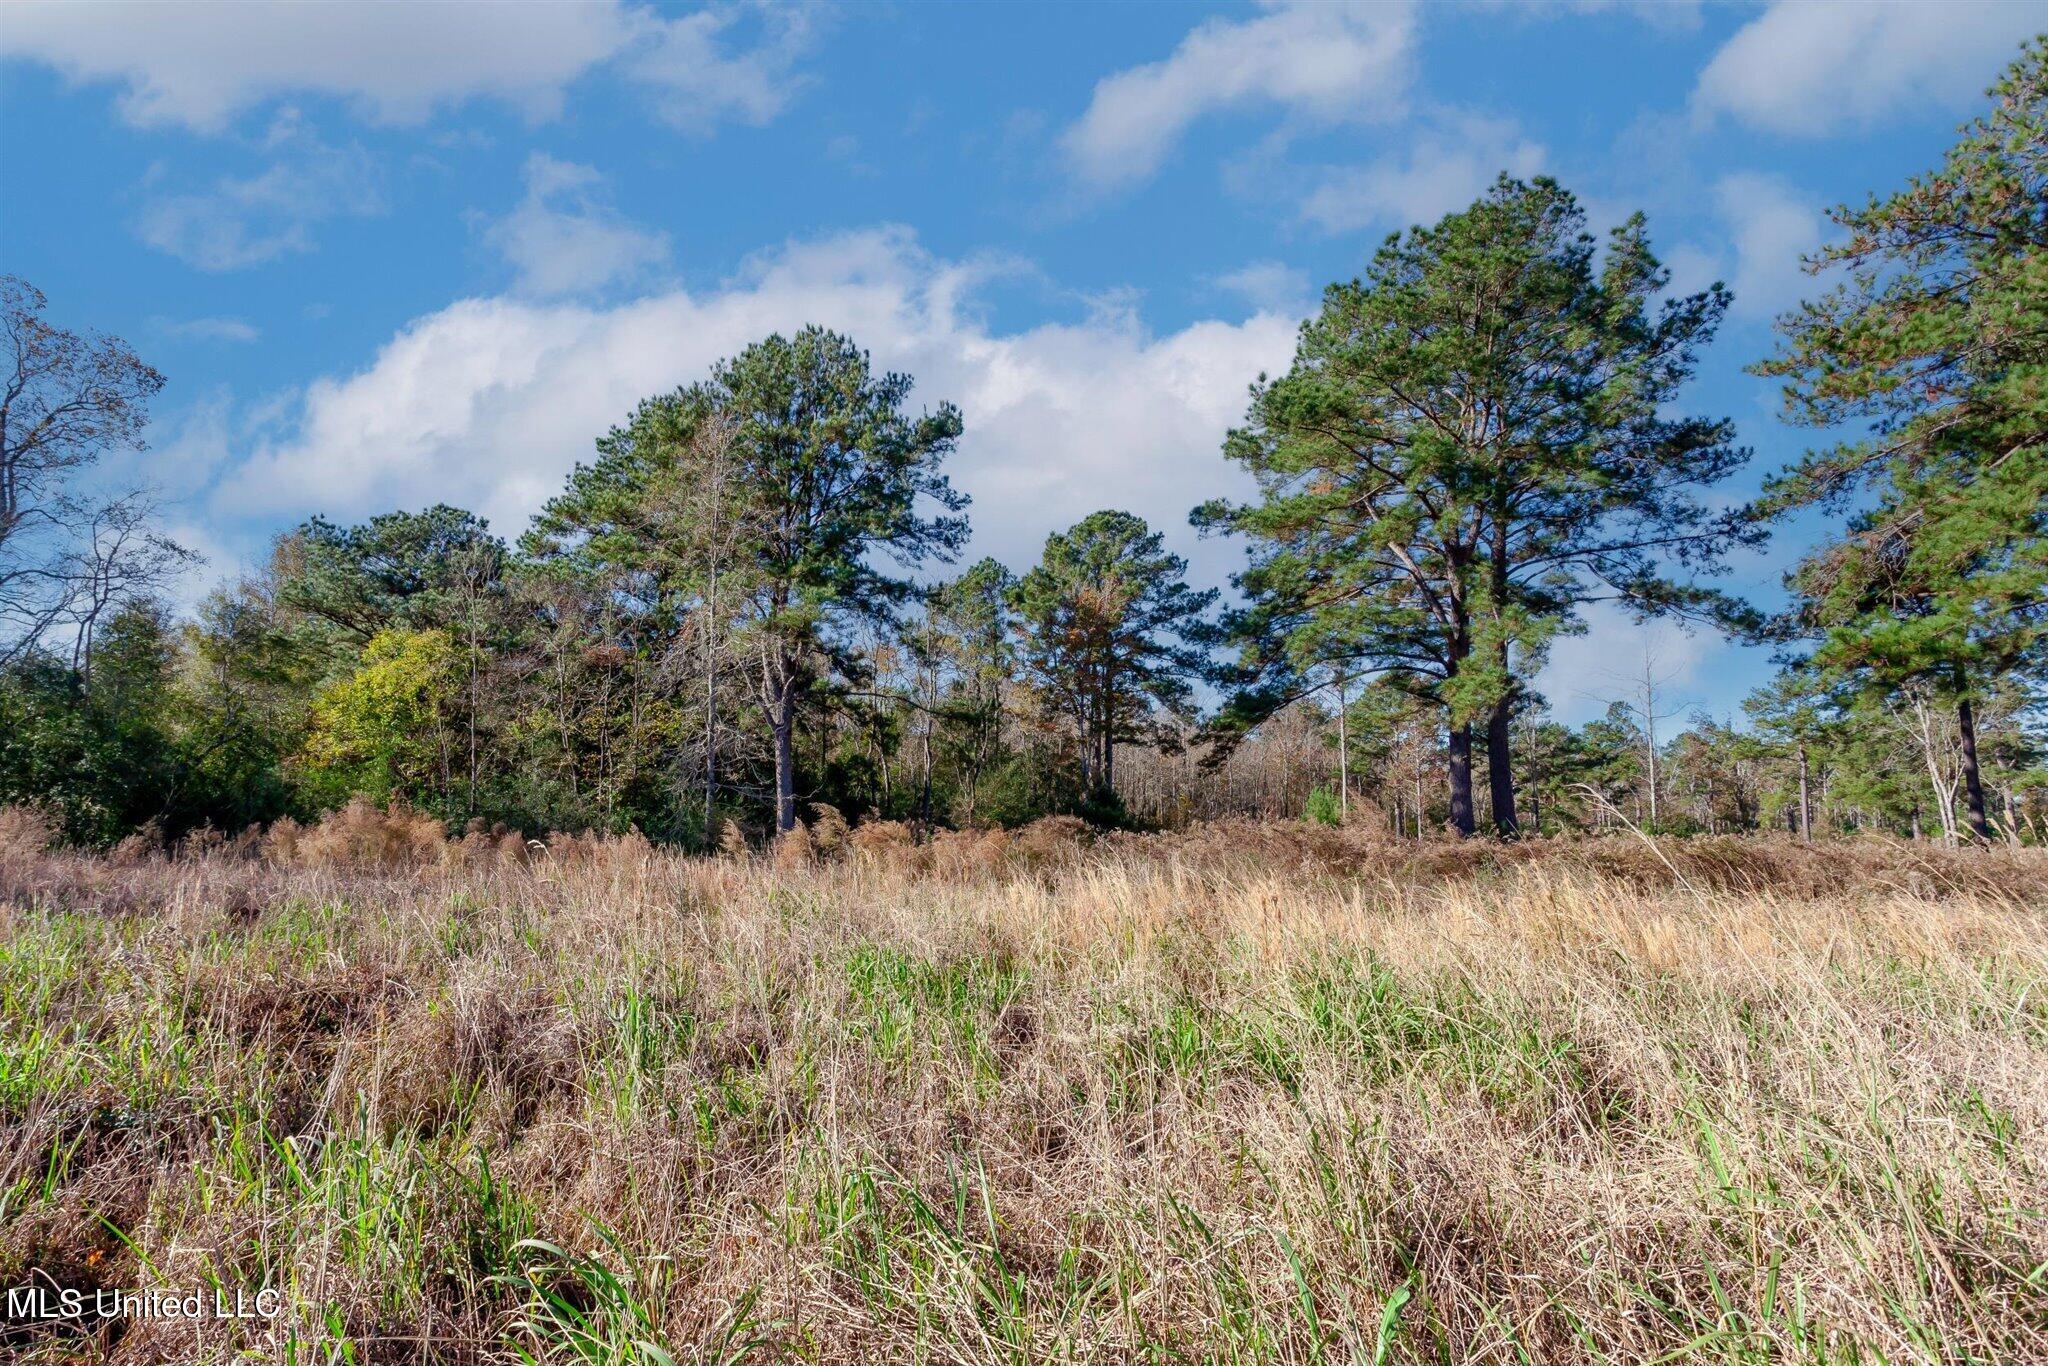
(1242, 1093)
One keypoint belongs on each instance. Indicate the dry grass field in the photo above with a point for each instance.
(1248, 1093)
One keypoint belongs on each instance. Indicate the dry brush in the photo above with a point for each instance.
(1251, 1092)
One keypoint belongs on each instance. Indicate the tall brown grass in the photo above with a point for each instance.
(1245, 1093)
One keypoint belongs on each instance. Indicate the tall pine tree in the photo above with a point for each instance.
(827, 480)
(1474, 442)
(1936, 341)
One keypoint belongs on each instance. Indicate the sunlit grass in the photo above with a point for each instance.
(1177, 1099)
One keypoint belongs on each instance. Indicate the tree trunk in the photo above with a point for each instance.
(785, 770)
(1343, 754)
(1944, 793)
(711, 714)
(1805, 810)
(1461, 779)
(1973, 782)
(782, 722)
(1500, 774)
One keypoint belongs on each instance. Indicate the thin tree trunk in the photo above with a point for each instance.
(785, 770)
(1343, 754)
(711, 712)
(1805, 810)
(1973, 782)
(471, 811)
(931, 700)
(1944, 793)
(779, 695)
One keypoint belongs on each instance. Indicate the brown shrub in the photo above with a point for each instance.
(201, 843)
(25, 831)
(891, 844)
(360, 835)
(828, 830)
(1054, 837)
(281, 841)
(969, 853)
(145, 842)
(793, 848)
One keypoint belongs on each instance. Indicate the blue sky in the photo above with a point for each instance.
(389, 255)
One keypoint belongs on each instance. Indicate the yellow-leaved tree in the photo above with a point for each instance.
(383, 730)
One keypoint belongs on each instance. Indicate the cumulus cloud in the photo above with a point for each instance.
(241, 221)
(1323, 62)
(1659, 13)
(488, 402)
(1808, 68)
(1443, 166)
(200, 62)
(1771, 226)
(563, 239)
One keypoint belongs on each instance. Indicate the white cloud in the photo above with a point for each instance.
(488, 402)
(191, 446)
(1443, 167)
(562, 238)
(1666, 14)
(242, 221)
(1269, 286)
(695, 78)
(1324, 62)
(209, 329)
(1809, 68)
(1767, 226)
(187, 447)
(1771, 226)
(201, 62)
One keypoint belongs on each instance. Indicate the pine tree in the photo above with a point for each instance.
(1472, 443)
(1108, 630)
(1937, 341)
(1796, 714)
(967, 639)
(829, 478)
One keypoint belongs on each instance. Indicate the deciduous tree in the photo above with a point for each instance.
(66, 400)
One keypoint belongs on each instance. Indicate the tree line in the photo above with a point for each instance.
(741, 605)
